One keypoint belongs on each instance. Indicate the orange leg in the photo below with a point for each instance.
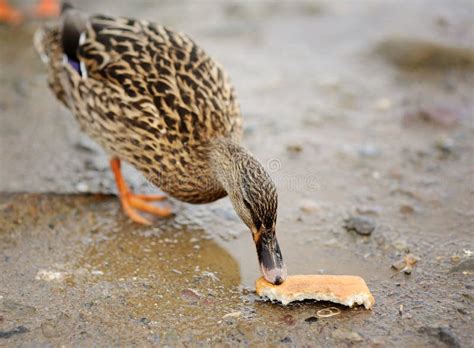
(131, 201)
(46, 9)
(9, 14)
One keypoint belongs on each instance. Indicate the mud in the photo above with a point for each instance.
(353, 115)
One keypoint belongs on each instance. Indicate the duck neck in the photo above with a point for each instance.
(226, 159)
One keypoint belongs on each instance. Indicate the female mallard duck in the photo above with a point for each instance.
(152, 97)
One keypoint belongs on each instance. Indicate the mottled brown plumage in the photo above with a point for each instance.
(152, 97)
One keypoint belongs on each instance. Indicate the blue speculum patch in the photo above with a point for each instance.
(75, 64)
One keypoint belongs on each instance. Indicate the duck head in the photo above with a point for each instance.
(255, 200)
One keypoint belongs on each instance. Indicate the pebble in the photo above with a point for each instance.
(16, 331)
(445, 145)
(232, 315)
(190, 295)
(406, 264)
(443, 334)
(368, 151)
(49, 276)
(311, 319)
(308, 206)
(464, 266)
(401, 245)
(82, 187)
(383, 104)
(360, 224)
(347, 335)
(288, 320)
(407, 209)
(294, 148)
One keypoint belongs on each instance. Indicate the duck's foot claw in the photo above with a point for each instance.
(131, 201)
(9, 14)
(46, 9)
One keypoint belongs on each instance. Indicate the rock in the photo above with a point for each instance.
(86, 145)
(311, 319)
(308, 206)
(401, 245)
(288, 320)
(406, 264)
(191, 295)
(286, 340)
(445, 146)
(437, 115)
(368, 151)
(50, 276)
(411, 53)
(383, 104)
(360, 224)
(398, 265)
(294, 148)
(368, 210)
(232, 315)
(407, 209)
(16, 331)
(443, 334)
(82, 187)
(464, 266)
(346, 335)
(16, 310)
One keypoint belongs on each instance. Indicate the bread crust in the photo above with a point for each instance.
(342, 289)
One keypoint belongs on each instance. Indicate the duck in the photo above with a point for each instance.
(150, 96)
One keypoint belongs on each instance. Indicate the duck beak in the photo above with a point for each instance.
(269, 256)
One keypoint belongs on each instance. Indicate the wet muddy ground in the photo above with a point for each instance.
(359, 110)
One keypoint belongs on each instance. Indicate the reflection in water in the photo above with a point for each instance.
(163, 278)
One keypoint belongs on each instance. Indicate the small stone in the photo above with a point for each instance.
(346, 335)
(360, 224)
(455, 258)
(368, 151)
(407, 209)
(288, 320)
(401, 245)
(232, 315)
(445, 145)
(368, 210)
(294, 148)
(464, 266)
(308, 206)
(437, 115)
(398, 265)
(82, 187)
(406, 264)
(16, 331)
(311, 319)
(49, 276)
(191, 295)
(443, 334)
(383, 104)
(286, 340)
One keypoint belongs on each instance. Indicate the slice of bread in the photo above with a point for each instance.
(345, 290)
